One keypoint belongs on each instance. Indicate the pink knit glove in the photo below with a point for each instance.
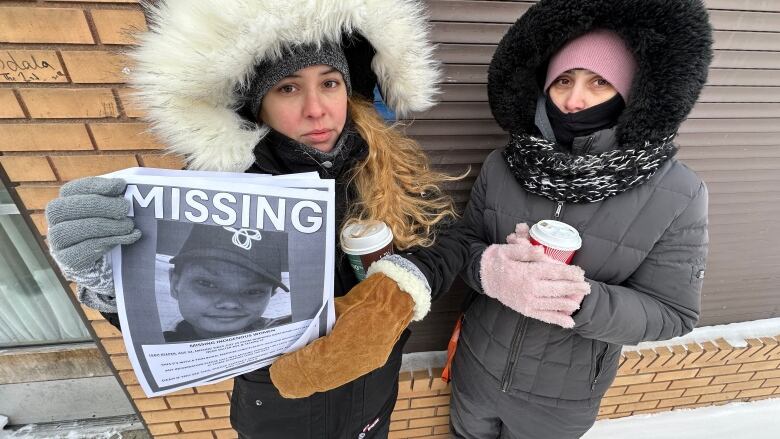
(522, 277)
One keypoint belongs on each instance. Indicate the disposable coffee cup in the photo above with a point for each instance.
(560, 240)
(364, 243)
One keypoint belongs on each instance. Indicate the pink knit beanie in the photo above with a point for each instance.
(600, 51)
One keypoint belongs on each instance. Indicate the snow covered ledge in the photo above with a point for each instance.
(735, 334)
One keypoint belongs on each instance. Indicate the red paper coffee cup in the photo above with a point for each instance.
(560, 240)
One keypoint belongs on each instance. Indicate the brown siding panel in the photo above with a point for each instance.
(745, 21)
(744, 5)
(741, 77)
(735, 126)
(476, 11)
(740, 94)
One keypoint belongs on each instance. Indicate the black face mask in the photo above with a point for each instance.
(567, 126)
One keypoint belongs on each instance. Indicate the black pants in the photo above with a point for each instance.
(480, 410)
(357, 410)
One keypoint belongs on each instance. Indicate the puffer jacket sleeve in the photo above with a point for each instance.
(456, 248)
(473, 227)
(441, 262)
(661, 299)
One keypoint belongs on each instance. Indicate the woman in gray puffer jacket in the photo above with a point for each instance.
(592, 93)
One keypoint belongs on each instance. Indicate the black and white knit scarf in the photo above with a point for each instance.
(542, 169)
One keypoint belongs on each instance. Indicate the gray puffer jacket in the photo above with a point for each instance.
(643, 253)
(644, 250)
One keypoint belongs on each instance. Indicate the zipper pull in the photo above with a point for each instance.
(558, 210)
(588, 144)
(593, 386)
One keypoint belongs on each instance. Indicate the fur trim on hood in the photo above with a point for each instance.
(199, 56)
(671, 39)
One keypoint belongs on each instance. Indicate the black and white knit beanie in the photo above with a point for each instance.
(295, 58)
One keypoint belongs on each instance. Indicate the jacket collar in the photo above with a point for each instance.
(596, 143)
(278, 154)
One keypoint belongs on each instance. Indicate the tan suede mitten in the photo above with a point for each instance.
(371, 318)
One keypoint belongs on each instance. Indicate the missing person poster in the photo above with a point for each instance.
(231, 271)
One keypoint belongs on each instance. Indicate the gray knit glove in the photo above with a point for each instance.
(85, 222)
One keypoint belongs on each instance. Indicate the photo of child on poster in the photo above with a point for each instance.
(221, 281)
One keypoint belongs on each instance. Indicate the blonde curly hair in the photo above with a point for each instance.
(395, 183)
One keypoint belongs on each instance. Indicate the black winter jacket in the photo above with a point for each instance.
(257, 410)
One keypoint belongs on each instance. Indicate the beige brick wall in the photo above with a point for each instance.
(693, 376)
(65, 113)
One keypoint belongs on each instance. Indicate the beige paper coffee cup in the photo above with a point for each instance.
(560, 240)
(364, 243)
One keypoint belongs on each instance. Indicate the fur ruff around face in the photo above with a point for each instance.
(198, 57)
(671, 39)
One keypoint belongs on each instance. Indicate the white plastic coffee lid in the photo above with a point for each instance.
(556, 234)
(365, 237)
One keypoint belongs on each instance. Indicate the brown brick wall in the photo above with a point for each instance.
(65, 113)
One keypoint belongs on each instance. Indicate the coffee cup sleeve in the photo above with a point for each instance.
(409, 279)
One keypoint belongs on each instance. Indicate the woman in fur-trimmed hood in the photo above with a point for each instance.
(592, 93)
(280, 87)
(194, 68)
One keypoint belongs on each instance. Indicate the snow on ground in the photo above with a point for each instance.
(740, 420)
(117, 427)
